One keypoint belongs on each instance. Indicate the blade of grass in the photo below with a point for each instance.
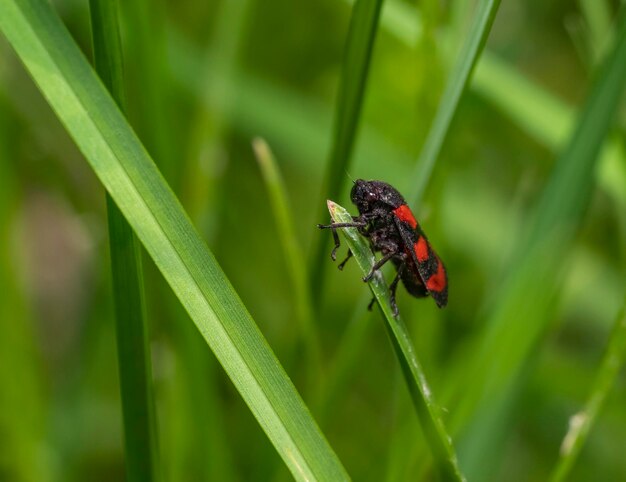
(133, 348)
(293, 255)
(358, 53)
(582, 422)
(129, 175)
(455, 86)
(515, 325)
(428, 412)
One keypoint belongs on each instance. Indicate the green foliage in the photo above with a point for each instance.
(140, 438)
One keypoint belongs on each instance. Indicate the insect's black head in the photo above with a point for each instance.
(369, 195)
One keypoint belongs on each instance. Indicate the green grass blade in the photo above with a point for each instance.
(427, 409)
(293, 254)
(455, 86)
(516, 325)
(129, 175)
(358, 52)
(133, 346)
(582, 422)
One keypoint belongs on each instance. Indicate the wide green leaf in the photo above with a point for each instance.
(129, 175)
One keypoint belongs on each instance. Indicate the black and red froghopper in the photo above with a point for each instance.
(387, 221)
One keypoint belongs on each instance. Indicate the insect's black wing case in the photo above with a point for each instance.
(430, 268)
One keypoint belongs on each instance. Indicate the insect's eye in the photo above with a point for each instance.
(371, 197)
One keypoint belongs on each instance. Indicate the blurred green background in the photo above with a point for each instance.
(203, 79)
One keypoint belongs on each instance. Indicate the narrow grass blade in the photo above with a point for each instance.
(455, 86)
(582, 422)
(133, 346)
(516, 325)
(293, 254)
(358, 52)
(427, 409)
(129, 175)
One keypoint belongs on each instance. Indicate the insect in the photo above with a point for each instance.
(387, 221)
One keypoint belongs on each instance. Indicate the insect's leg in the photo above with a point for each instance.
(343, 263)
(370, 306)
(355, 224)
(333, 253)
(378, 265)
(393, 287)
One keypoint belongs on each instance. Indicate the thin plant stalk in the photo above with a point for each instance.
(133, 345)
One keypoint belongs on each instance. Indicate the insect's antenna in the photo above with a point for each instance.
(350, 177)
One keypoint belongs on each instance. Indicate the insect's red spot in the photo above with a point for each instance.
(437, 282)
(403, 213)
(421, 249)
